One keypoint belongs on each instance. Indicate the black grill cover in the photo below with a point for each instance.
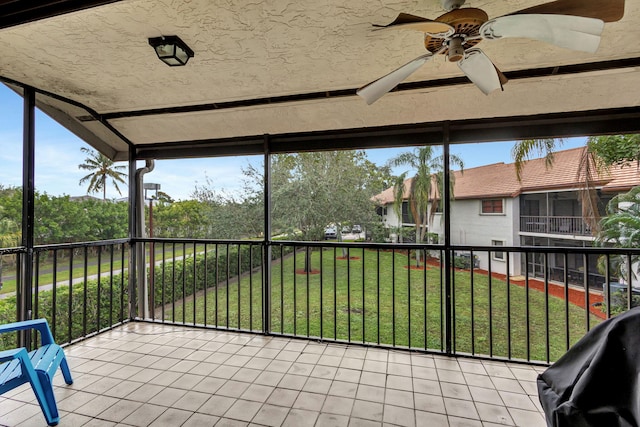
(596, 382)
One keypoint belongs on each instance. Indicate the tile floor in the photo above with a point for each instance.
(156, 375)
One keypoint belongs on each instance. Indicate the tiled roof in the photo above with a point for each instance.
(499, 179)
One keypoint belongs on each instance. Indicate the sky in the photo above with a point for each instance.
(58, 156)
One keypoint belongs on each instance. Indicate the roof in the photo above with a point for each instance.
(285, 66)
(500, 180)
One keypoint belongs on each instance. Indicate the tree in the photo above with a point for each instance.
(312, 190)
(426, 186)
(102, 168)
(621, 229)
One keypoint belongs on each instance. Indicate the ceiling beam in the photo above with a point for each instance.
(556, 125)
(17, 12)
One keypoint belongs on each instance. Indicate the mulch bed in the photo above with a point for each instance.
(303, 271)
(576, 296)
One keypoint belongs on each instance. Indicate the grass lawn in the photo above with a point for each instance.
(373, 297)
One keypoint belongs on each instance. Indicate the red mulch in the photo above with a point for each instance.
(351, 257)
(576, 296)
(302, 271)
(416, 267)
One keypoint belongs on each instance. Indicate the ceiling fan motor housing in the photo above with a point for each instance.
(456, 50)
(452, 4)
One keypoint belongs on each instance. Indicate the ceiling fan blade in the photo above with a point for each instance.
(570, 32)
(480, 70)
(413, 22)
(607, 10)
(375, 90)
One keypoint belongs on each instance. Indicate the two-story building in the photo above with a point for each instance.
(491, 207)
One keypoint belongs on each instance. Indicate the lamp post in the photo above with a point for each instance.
(148, 188)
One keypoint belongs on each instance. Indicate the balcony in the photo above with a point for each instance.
(146, 374)
(565, 225)
(300, 333)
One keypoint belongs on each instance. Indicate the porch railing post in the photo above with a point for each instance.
(25, 302)
(266, 280)
(448, 255)
(133, 233)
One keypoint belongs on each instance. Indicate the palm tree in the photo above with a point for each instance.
(621, 229)
(102, 169)
(425, 187)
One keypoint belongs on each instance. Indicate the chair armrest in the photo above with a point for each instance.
(12, 354)
(40, 325)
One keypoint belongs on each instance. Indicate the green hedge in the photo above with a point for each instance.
(73, 304)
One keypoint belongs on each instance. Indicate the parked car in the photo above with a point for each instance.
(331, 232)
(346, 229)
(356, 229)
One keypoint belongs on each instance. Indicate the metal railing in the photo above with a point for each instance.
(566, 225)
(80, 288)
(387, 295)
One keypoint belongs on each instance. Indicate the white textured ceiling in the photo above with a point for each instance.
(247, 50)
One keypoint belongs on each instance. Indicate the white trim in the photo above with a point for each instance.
(494, 255)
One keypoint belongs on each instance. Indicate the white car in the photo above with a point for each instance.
(331, 232)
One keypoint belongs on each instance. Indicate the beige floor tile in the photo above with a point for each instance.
(399, 398)
(283, 397)
(167, 396)
(120, 410)
(317, 385)
(399, 416)
(333, 420)
(300, 418)
(494, 413)
(191, 401)
(338, 405)
(257, 392)
(429, 403)
(430, 419)
(216, 405)
(370, 393)
(233, 388)
(456, 391)
(200, 420)
(367, 410)
(271, 415)
(460, 408)
(486, 395)
(343, 389)
(523, 418)
(243, 410)
(309, 401)
(171, 417)
(144, 415)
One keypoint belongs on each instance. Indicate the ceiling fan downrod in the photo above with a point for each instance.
(449, 5)
(456, 49)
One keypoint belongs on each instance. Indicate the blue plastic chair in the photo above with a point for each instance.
(36, 367)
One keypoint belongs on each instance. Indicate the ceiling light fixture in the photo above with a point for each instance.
(171, 50)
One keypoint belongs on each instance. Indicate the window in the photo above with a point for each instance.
(492, 206)
(497, 255)
(407, 218)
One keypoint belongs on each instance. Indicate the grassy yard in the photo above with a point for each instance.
(373, 297)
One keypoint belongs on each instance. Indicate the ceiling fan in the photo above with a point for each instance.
(571, 24)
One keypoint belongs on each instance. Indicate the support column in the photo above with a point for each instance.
(133, 233)
(448, 255)
(266, 290)
(25, 291)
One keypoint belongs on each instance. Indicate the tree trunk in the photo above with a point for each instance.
(307, 261)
